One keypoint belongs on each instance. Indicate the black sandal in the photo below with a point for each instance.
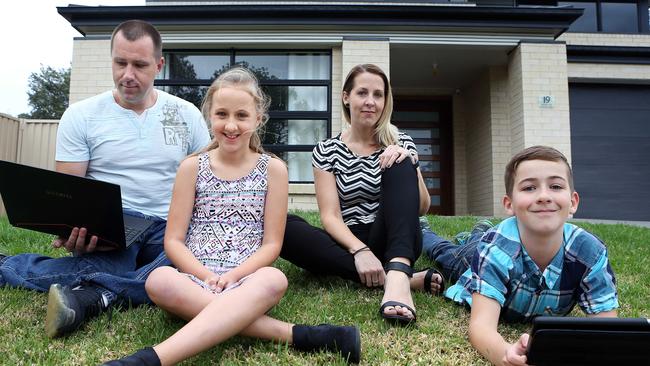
(396, 318)
(427, 282)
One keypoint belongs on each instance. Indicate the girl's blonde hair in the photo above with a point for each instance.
(385, 131)
(241, 78)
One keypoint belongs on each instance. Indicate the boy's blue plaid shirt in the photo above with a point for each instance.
(502, 270)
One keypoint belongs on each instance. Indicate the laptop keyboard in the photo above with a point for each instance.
(130, 233)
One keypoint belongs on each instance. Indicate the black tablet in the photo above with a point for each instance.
(589, 341)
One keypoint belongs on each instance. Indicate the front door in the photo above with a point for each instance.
(428, 121)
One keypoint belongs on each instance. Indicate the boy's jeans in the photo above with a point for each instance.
(452, 259)
(121, 273)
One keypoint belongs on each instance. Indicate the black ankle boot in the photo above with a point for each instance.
(144, 357)
(343, 339)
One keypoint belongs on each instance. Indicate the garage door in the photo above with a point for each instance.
(610, 148)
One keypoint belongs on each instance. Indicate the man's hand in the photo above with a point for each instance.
(76, 243)
(516, 353)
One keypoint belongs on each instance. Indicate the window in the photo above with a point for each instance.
(298, 83)
(610, 17)
(619, 17)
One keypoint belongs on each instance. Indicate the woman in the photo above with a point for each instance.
(369, 191)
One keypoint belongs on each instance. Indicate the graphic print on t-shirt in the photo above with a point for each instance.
(174, 126)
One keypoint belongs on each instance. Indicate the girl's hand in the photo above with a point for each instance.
(516, 353)
(371, 272)
(394, 154)
(219, 283)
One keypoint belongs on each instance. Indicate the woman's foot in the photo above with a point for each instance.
(397, 302)
(430, 281)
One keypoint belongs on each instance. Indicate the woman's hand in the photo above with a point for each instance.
(394, 154)
(219, 283)
(371, 272)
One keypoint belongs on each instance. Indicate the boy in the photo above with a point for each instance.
(533, 263)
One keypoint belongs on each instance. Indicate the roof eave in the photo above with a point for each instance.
(549, 21)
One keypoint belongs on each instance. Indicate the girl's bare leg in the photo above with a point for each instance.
(217, 318)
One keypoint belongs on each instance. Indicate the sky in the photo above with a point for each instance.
(32, 33)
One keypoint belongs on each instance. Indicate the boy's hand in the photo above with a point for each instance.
(516, 353)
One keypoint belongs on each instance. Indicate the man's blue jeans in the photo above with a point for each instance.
(119, 273)
(452, 259)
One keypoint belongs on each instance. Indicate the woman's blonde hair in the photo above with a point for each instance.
(385, 131)
(241, 78)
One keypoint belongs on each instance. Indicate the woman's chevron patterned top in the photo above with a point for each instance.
(227, 222)
(358, 178)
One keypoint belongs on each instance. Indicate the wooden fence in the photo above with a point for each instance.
(27, 141)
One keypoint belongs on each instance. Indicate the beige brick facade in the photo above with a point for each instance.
(475, 102)
(495, 116)
(608, 72)
(535, 70)
(91, 68)
(499, 114)
(606, 39)
(459, 115)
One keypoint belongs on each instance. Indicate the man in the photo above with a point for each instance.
(134, 136)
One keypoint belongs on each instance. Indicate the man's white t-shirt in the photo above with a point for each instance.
(141, 153)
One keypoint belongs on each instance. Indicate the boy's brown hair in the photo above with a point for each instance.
(537, 152)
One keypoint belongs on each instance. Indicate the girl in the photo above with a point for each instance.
(225, 228)
(369, 190)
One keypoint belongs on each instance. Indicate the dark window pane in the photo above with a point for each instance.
(297, 98)
(193, 94)
(286, 66)
(294, 131)
(182, 66)
(619, 17)
(587, 22)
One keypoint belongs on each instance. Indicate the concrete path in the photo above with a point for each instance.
(597, 221)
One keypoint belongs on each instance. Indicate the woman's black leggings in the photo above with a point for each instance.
(394, 233)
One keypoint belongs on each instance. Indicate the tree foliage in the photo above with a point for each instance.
(48, 93)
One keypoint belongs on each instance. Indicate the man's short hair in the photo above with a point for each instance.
(135, 29)
(537, 152)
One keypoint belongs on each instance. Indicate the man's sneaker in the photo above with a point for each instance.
(424, 224)
(68, 308)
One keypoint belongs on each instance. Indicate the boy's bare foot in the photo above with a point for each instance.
(433, 285)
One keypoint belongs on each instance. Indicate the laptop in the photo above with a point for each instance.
(589, 341)
(52, 202)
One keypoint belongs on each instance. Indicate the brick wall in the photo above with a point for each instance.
(606, 39)
(91, 68)
(608, 72)
(459, 115)
(478, 146)
(534, 70)
(501, 138)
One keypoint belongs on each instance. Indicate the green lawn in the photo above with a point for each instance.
(439, 338)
